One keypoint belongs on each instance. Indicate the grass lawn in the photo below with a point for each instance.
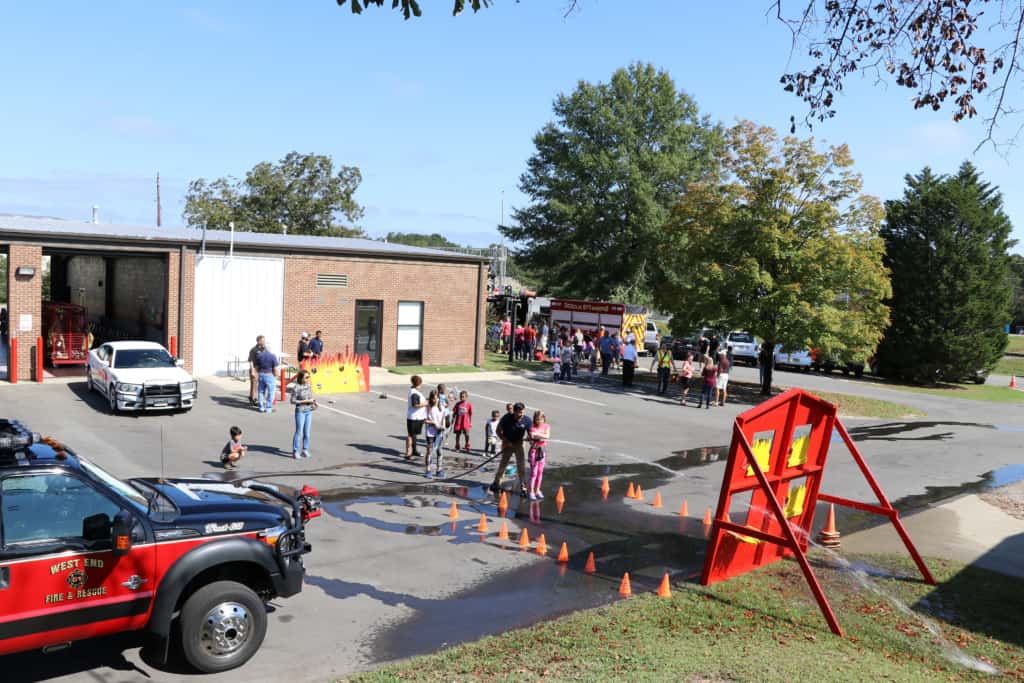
(977, 392)
(763, 626)
(431, 369)
(860, 406)
(499, 361)
(1009, 365)
(1016, 344)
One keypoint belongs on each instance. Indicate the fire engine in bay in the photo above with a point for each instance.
(85, 554)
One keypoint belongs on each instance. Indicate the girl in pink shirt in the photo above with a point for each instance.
(540, 432)
(463, 419)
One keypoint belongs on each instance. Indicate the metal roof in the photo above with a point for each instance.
(55, 228)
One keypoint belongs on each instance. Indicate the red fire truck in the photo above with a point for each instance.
(66, 333)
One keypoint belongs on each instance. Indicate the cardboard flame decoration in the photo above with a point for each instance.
(340, 373)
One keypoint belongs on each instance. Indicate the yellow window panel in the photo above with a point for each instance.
(795, 500)
(798, 456)
(762, 450)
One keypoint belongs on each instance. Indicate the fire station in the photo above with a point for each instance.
(206, 295)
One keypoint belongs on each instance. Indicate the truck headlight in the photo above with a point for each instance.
(189, 387)
(126, 388)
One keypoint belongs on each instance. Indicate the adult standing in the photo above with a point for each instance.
(518, 350)
(415, 414)
(544, 331)
(604, 345)
(722, 383)
(616, 349)
(628, 363)
(512, 429)
(305, 404)
(316, 346)
(666, 366)
(253, 375)
(710, 375)
(713, 346)
(266, 364)
(530, 340)
(303, 354)
(506, 335)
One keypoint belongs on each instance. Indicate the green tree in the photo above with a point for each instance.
(418, 240)
(602, 180)
(946, 243)
(1017, 285)
(780, 243)
(302, 192)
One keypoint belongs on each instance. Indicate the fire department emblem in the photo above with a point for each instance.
(77, 579)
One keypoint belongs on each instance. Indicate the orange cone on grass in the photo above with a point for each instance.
(482, 526)
(503, 533)
(524, 539)
(829, 536)
(453, 513)
(624, 588)
(590, 567)
(1013, 381)
(542, 545)
(563, 553)
(664, 590)
(657, 500)
(684, 509)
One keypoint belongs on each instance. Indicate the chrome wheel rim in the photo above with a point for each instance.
(226, 629)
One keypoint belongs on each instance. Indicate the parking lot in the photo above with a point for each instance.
(391, 576)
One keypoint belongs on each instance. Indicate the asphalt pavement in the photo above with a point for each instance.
(390, 575)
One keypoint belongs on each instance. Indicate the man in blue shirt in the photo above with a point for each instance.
(316, 345)
(266, 364)
(512, 429)
(606, 352)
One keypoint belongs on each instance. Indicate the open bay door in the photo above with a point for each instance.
(236, 299)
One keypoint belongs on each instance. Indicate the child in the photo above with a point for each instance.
(540, 432)
(491, 434)
(567, 357)
(463, 413)
(233, 450)
(435, 436)
(686, 376)
(556, 369)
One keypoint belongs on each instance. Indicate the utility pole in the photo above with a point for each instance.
(158, 211)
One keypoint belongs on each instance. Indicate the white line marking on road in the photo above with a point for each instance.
(487, 398)
(355, 417)
(576, 443)
(550, 393)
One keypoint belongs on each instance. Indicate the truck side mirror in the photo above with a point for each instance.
(121, 534)
(96, 527)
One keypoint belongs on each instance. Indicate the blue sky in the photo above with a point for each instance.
(438, 113)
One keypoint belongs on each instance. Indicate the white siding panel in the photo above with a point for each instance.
(236, 299)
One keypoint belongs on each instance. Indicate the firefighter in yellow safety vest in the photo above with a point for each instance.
(666, 367)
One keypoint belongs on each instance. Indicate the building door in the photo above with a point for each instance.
(236, 299)
(368, 329)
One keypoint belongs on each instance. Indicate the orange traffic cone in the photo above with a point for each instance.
(524, 539)
(590, 567)
(639, 493)
(503, 533)
(657, 500)
(630, 493)
(684, 509)
(707, 517)
(482, 526)
(542, 545)
(503, 503)
(605, 488)
(664, 590)
(624, 589)
(454, 512)
(1013, 381)
(829, 536)
(563, 553)
(560, 497)
(559, 504)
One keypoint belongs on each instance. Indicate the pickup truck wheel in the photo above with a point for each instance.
(222, 626)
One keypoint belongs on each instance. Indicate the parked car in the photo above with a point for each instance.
(799, 360)
(744, 347)
(652, 337)
(139, 375)
(831, 363)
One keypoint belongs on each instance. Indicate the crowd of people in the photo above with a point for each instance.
(436, 416)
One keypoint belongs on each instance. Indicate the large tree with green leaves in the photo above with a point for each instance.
(302, 192)
(780, 243)
(415, 239)
(946, 243)
(602, 180)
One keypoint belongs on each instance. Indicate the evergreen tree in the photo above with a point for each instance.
(946, 243)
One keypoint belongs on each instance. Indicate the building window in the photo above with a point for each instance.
(410, 333)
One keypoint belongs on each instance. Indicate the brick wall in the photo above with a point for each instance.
(24, 297)
(185, 345)
(448, 291)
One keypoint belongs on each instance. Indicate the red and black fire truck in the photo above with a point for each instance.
(85, 554)
(66, 333)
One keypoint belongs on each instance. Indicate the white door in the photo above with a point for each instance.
(236, 299)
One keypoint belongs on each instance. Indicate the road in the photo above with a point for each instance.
(389, 576)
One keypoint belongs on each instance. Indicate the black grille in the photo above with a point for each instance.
(152, 390)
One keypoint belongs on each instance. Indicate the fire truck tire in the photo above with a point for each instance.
(222, 626)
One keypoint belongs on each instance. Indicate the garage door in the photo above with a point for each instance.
(236, 299)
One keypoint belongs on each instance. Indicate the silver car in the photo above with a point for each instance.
(139, 375)
(744, 347)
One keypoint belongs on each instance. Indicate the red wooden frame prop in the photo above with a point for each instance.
(777, 456)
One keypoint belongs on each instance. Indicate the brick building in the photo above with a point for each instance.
(210, 293)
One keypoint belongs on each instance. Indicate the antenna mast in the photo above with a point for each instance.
(158, 217)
